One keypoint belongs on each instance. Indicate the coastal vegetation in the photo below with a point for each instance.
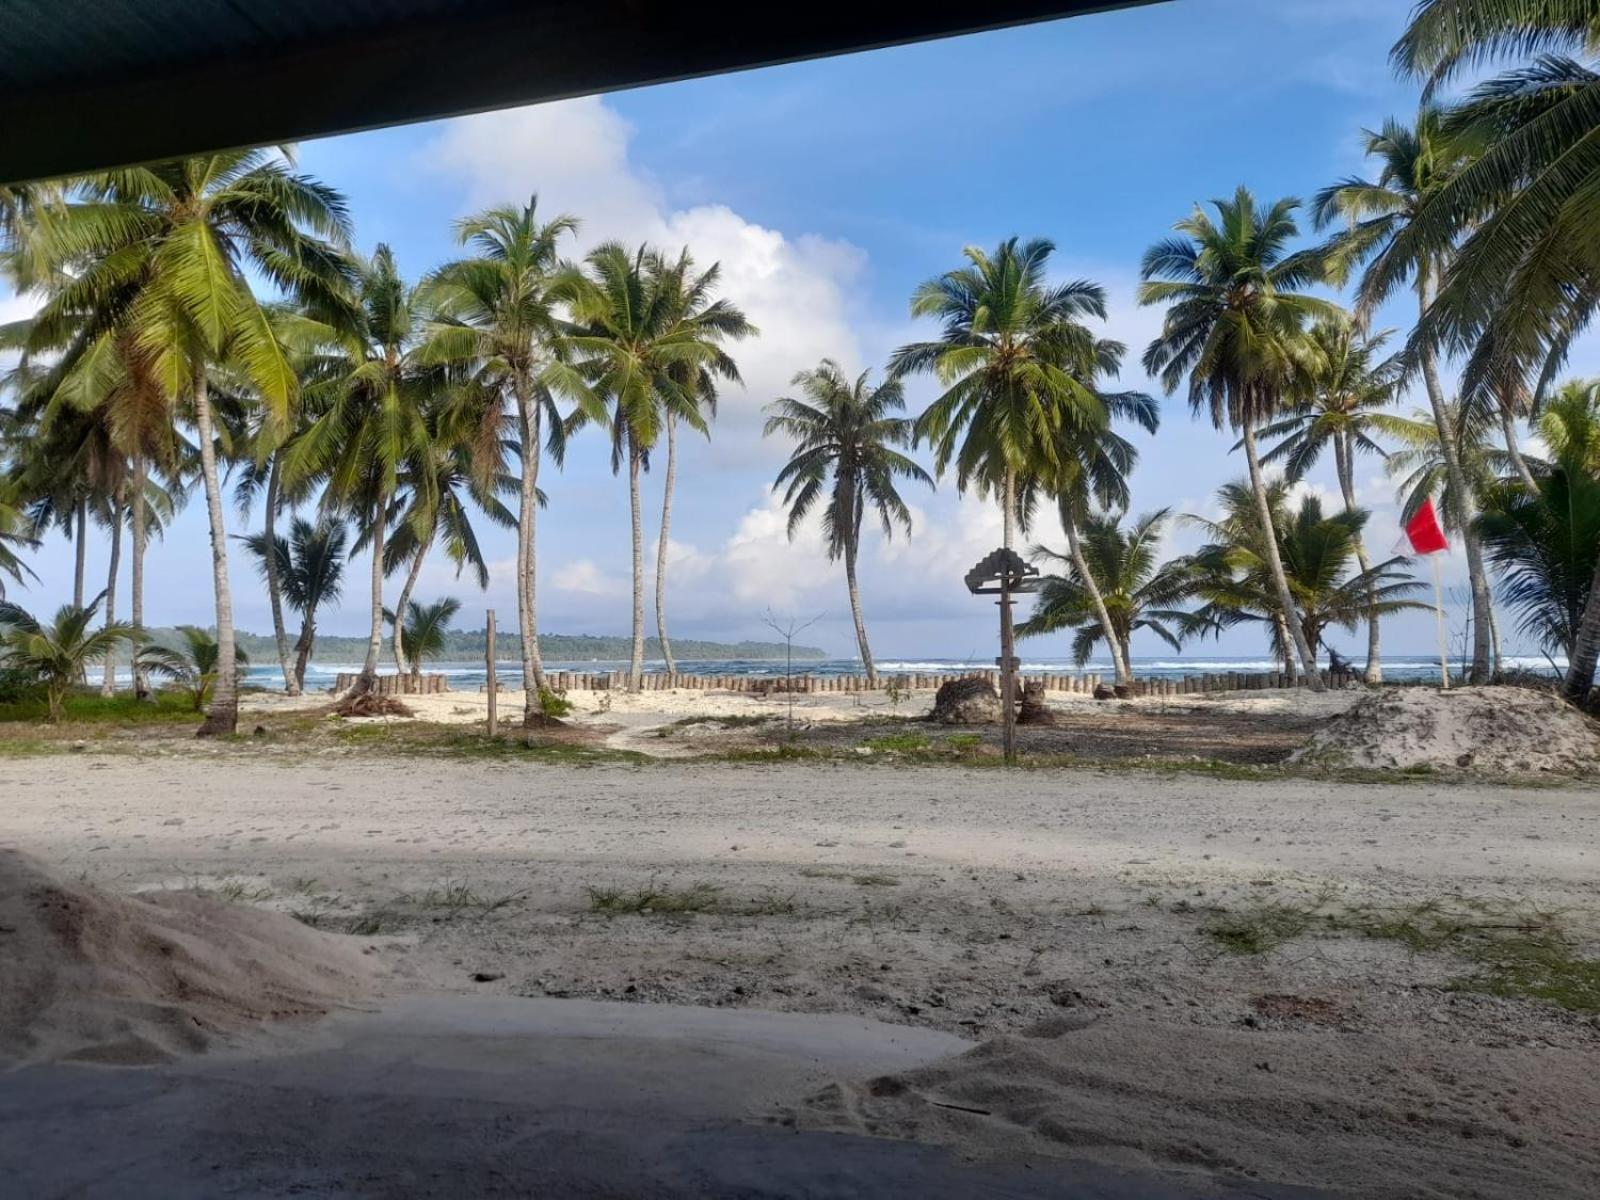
(211, 321)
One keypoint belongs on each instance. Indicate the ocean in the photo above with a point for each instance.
(469, 676)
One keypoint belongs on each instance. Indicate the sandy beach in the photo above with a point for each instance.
(1318, 926)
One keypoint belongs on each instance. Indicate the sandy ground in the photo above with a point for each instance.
(967, 900)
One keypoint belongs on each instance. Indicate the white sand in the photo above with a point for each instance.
(93, 977)
(1490, 730)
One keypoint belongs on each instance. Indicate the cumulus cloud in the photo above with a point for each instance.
(586, 578)
(575, 155)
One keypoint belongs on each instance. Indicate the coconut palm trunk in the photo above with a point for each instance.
(661, 549)
(1508, 427)
(369, 668)
(108, 681)
(1585, 646)
(1280, 581)
(1344, 461)
(291, 685)
(533, 682)
(636, 661)
(852, 550)
(1119, 656)
(302, 650)
(1008, 513)
(223, 715)
(141, 686)
(80, 553)
(1476, 576)
(400, 606)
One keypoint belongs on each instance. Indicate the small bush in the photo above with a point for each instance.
(19, 687)
(554, 704)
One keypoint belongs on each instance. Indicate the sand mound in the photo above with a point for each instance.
(1360, 1114)
(95, 977)
(1493, 730)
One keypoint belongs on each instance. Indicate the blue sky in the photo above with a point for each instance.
(828, 190)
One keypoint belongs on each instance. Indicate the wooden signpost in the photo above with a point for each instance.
(1005, 573)
(492, 683)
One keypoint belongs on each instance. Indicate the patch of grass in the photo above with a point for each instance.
(1540, 968)
(861, 880)
(1261, 928)
(696, 898)
(902, 743)
(512, 744)
(963, 742)
(91, 708)
(238, 891)
(456, 896)
(737, 721)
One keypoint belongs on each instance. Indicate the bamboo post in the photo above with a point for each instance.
(492, 683)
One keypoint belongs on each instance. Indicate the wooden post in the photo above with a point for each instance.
(492, 683)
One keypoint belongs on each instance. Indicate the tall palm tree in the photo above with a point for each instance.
(1235, 325)
(1092, 465)
(1416, 162)
(370, 431)
(310, 565)
(57, 654)
(1233, 580)
(1005, 358)
(645, 354)
(846, 457)
(695, 384)
(498, 314)
(1135, 590)
(160, 253)
(1348, 387)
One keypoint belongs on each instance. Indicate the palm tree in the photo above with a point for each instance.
(1417, 161)
(1545, 537)
(370, 432)
(310, 566)
(57, 654)
(425, 627)
(647, 352)
(695, 384)
(497, 313)
(1235, 326)
(194, 664)
(1349, 386)
(442, 507)
(1135, 591)
(1092, 465)
(1006, 359)
(160, 254)
(16, 534)
(846, 456)
(1526, 277)
(1234, 580)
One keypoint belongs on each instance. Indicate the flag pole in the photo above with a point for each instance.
(1438, 612)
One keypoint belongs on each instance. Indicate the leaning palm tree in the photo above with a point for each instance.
(372, 392)
(695, 385)
(1006, 359)
(1235, 325)
(1092, 465)
(645, 354)
(310, 566)
(1349, 386)
(846, 457)
(1416, 162)
(1136, 591)
(498, 314)
(161, 254)
(425, 626)
(57, 654)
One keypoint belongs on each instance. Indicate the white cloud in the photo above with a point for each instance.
(585, 577)
(575, 155)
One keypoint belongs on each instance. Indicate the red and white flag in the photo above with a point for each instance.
(1422, 534)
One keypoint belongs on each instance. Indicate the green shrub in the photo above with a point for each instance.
(554, 704)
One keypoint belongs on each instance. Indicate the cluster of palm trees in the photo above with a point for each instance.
(400, 410)
(1484, 209)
